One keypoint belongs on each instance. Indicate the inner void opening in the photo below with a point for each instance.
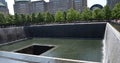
(35, 49)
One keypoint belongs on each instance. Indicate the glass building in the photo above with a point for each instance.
(28, 7)
(3, 7)
(22, 6)
(111, 3)
(64, 5)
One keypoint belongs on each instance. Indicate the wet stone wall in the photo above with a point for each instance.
(11, 34)
(71, 30)
(88, 30)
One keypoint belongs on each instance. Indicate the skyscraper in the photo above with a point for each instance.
(3, 7)
(84, 4)
(3, 1)
(22, 6)
(28, 7)
(64, 5)
(111, 3)
(56, 5)
(80, 4)
(38, 6)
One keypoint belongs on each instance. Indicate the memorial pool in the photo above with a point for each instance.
(68, 48)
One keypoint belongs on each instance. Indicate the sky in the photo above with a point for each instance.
(90, 3)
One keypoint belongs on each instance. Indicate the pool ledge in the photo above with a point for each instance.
(38, 59)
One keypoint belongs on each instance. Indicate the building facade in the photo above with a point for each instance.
(84, 4)
(55, 5)
(111, 3)
(3, 1)
(22, 7)
(79, 5)
(28, 7)
(38, 6)
(64, 5)
(3, 7)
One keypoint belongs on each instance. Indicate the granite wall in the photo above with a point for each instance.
(86, 30)
(71, 30)
(111, 47)
(11, 34)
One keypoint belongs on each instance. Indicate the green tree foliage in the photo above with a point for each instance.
(2, 19)
(98, 14)
(48, 17)
(78, 16)
(59, 16)
(9, 19)
(65, 14)
(107, 12)
(29, 19)
(23, 19)
(17, 19)
(40, 18)
(34, 18)
(86, 14)
(71, 15)
(116, 11)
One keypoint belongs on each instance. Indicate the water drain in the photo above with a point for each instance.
(35, 49)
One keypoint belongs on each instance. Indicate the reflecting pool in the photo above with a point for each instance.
(69, 48)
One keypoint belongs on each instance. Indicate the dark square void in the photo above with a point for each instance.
(35, 49)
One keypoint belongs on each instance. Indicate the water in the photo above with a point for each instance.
(78, 49)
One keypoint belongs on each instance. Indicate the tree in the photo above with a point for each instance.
(86, 14)
(78, 16)
(116, 11)
(98, 14)
(59, 16)
(10, 19)
(34, 18)
(48, 17)
(29, 19)
(40, 18)
(17, 19)
(2, 19)
(107, 12)
(65, 14)
(23, 18)
(71, 15)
